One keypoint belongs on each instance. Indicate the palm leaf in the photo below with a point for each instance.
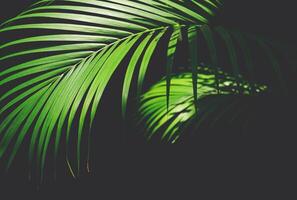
(83, 43)
(183, 108)
(212, 78)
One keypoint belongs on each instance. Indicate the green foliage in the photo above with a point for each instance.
(67, 51)
(77, 46)
(183, 104)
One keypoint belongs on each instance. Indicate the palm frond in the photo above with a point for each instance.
(66, 53)
(213, 50)
(184, 106)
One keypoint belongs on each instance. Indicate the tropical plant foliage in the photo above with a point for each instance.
(84, 43)
(182, 108)
(231, 61)
(67, 51)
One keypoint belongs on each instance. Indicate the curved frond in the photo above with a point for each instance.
(65, 55)
(184, 107)
(230, 63)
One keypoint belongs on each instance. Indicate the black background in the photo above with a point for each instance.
(157, 171)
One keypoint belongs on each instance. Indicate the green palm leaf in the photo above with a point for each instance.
(184, 106)
(77, 45)
(213, 79)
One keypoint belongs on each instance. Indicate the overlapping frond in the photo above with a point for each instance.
(170, 120)
(222, 62)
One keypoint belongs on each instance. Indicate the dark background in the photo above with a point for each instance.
(153, 170)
